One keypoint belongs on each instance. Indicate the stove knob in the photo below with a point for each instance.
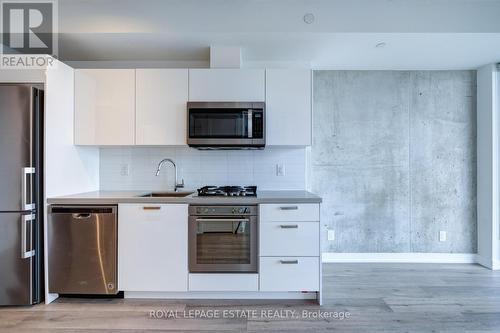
(242, 210)
(234, 211)
(198, 210)
(205, 210)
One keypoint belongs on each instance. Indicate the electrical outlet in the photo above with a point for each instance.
(442, 236)
(280, 170)
(331, 234)
(124, 169)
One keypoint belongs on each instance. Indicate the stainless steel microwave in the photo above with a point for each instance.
(226, 125)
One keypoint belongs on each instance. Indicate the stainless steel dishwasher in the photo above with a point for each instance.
(82, 248)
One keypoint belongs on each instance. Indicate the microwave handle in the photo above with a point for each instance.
(250, 123)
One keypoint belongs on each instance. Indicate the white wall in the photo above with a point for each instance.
(488, 127)
(496, 225)
(200, 168)
(68, 169)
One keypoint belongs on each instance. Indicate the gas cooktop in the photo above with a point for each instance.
(228, 191)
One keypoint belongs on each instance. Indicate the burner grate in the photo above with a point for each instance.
(228, 191)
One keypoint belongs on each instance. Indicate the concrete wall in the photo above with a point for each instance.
(394, 158)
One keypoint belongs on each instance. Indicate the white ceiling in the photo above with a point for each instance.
(419, 34)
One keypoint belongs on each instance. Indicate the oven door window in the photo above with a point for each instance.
(230, 124)
(223, 242)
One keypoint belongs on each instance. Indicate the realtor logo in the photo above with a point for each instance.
(28, 28)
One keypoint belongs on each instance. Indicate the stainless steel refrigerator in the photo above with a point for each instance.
(21, 169)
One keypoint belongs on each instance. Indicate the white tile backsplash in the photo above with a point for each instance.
(200, 168)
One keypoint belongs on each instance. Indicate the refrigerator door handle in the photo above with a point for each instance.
(24, 221)
(27, 204)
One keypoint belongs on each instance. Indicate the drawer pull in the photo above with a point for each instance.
(289, 207)
(289, 226)
(151, 207)
(289, 262)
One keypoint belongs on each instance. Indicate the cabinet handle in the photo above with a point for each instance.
(289, 262)
(151, 207)
(27, 194)
(289, 207)
(289, 226)
(24, 221)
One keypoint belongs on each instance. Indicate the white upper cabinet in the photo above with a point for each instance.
(288, 107)
(161, 97)
(104, 106)
(227, 85)
(125, 107)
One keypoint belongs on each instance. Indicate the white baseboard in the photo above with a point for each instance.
(488, 263)
(455, 258)
(49, 298)
(221, 295)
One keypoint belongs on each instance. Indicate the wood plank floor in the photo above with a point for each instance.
(379, 298)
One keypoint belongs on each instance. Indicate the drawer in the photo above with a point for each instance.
(289, 239)
(289, 273)
(223, 282)
(289, 212)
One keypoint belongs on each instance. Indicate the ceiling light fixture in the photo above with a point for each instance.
(309, 18)
(380, 45)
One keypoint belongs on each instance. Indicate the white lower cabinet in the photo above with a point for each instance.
(152, 247)
(223, 282)
(153, 251)
(289, 247)
(289, 238)
(289, 212)
(289, 273)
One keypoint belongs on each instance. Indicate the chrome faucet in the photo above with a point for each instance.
(177, 184)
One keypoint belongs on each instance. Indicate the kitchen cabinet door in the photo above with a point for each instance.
(161, 98)
(289, 274)
(227, 85)
(288, 107)
(152, 247)
(104, 107)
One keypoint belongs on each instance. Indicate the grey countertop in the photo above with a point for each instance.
(116, 197)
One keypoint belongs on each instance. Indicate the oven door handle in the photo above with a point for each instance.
(222, 220)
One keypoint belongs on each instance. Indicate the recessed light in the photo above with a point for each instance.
(309, 18)
(380, 45)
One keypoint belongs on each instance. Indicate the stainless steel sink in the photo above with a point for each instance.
(166, 194)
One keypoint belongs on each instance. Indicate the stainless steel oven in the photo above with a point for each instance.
(226, 125)
(222, 239)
